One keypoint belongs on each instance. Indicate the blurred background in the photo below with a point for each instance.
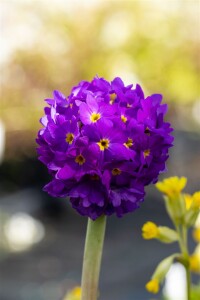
(47, 45)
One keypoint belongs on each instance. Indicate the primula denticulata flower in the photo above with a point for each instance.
(103, 144)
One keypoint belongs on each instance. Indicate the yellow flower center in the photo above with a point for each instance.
(69, 138)
(129, 143)
(147, 152)
(113, 96)
(103, 144)
(152, 286)
(94, 177)
(95, 117)
(80, 159)
(116, 171)
(150, 231)
(123, 118)
(128, 105)
(147, 131)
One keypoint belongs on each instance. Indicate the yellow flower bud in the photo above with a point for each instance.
(150, 231)
(152, 286)
(77, 291)
(193, 205)
(194, 261)
(188, 201)
(172, 186)
(196, 235)
(74, 294)
(196, 199)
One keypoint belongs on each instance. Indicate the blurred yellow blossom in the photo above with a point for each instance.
(164, 234)
(74, 294)
(152, 286)
(194, 261)
(172, 186)
(150, 230)
(196, 199)
(188, 201)
(196, 235)
(192, 204)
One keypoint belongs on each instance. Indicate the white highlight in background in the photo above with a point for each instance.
(175, 284)
(22, 231)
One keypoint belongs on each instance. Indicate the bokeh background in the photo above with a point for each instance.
(47, 45)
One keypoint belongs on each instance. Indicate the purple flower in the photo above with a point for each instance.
(80, 161)
(95, 109)
(103, 144)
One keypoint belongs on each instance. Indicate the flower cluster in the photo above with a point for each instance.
(184, 211)
(103, 144)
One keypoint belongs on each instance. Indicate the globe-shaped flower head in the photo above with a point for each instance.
(103, 144)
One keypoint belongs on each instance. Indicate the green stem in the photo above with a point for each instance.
(188, 281)
(187, 266)
(92, 258)
(182, 241)
(182, 233)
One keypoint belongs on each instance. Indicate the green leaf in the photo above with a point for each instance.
(163, 267)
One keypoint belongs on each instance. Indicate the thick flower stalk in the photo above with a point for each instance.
(183, 209)
(102, 145)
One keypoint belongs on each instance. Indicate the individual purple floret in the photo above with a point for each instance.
(103, 144)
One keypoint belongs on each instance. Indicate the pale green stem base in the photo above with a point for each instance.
(182, 232)
(92, 258)
(188, 280)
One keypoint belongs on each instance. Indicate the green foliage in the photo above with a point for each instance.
(195, 295)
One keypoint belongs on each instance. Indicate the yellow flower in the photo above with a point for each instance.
(196, 199)
(196, 235)
(188, 201)
(172, 186)
(150, 230)
(74, 294)
(152, 286)
(194, 261)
